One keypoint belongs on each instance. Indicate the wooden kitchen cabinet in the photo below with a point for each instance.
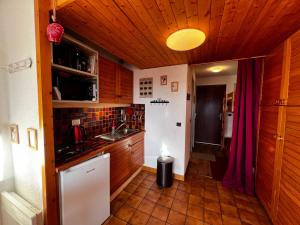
(266, 155)
(137, 152)
(278, 159)
(294, 80)
(126, 157)
(125, 85)
(115, 83)
(120, 157)
(274, 76)
(288, 201)
(107, 80)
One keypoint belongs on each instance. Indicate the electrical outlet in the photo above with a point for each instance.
(76, 122)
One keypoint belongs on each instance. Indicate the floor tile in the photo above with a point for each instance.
(180, 206)
(156, 188)
(146, 206)
(212, 205)
(141, 192)
(182, 196)
(211, 195)
(169, 192)
(227, 220)
(246, 205)
(160, 212)
(155, 221)
(211, 217)
(146, 184)
(248, 217)
(130, 188)
(176, 218)
(151, 177)
(229, 210)
(139, 218)
(195, 200)
(184, 187)
(193, 221)
(123, 196)
(125, 212)
(115, 206)
(134, 201)
(195, 211)
(165, 201)
(153, 196)
(114, 221)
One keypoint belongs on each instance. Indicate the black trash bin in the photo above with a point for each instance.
(164, 177)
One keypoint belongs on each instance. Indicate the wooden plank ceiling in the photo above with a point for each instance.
(136, 30)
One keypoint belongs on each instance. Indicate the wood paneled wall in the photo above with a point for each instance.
(278, 156)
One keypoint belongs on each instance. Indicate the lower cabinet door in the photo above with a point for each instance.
(288, 212)
(120, 165)
(266, 155)
(137, 155)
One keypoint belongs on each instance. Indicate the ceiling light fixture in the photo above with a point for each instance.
(216, 69)
(185, 39)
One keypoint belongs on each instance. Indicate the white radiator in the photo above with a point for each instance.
(16, 211)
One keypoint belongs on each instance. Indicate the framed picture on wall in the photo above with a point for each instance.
(164, 80)
(174, 86)
(14, 133)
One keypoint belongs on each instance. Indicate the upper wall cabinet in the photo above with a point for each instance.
(115, 83)
(274, 75)
(107, 80)
(125, 85)
(74, 71)
(294, 81)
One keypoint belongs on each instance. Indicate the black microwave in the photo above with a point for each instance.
(74, 88)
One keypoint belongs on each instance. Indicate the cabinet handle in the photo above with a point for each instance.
(279, 138)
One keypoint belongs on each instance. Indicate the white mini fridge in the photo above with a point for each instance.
(85, 192)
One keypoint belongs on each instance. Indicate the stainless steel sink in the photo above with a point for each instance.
(117, 135)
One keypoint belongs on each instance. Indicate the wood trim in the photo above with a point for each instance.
(43, 60)
(86, 105)
(281, 129)
(153, 170)
(286, 71)
(62, 3)
(124, 185)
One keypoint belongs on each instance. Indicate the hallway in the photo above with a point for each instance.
(197, 200)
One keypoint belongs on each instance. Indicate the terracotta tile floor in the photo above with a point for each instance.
(198, 200)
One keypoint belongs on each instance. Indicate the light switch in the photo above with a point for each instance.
(76, 122)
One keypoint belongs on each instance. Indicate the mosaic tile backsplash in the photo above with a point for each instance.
(95, 120)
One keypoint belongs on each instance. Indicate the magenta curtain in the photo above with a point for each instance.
(240, 173)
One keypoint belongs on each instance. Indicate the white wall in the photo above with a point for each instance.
(229, 80)
(188, 119)
(18, 42)
(162, 134)
(6, 166)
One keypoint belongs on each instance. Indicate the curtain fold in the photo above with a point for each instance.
(240, 171)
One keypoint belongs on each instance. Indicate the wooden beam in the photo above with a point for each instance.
(61, 3)
(43, 61)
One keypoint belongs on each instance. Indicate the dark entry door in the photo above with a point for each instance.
(209, 109)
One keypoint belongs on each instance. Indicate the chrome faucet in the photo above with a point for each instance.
(119, 127)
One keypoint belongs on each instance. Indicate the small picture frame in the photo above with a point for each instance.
(164, 80)
(14, 133)
(32, 138)
(174, 86)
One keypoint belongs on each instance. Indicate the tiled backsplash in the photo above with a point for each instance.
(95, 120)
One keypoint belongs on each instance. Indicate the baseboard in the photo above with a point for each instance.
(153, 170)
(124, 185)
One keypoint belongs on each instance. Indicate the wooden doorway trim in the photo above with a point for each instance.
(43, 61)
